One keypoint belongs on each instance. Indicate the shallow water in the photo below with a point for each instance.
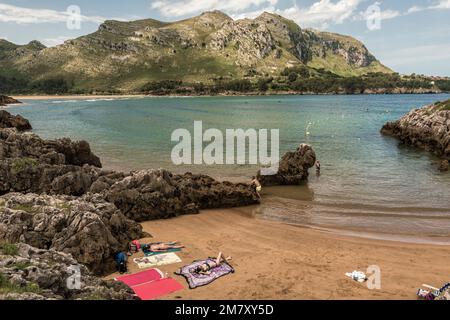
(368, 184)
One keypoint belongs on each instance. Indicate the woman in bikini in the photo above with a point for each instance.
(206, 267)
(164, 246)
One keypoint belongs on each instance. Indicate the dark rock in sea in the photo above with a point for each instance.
(4, 100)
(88, 228)
(28, 273)
(427, 128)
(156, 194)
(7, 120)
(293, 168)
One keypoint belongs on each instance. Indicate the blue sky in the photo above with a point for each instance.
(413, 36)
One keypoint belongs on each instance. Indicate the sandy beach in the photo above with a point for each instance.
(274, 260)
(77, 97)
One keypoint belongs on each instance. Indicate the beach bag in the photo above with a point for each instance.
(121, 262)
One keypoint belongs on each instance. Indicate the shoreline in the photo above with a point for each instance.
(274, 260)
(247, 94)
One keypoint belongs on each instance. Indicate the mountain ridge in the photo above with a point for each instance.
(202, 49)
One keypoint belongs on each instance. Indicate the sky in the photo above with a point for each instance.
(409, 36)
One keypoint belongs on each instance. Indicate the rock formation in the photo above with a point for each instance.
(4, 100)
(156, 194)
(293, 168)
(9, 121)
(427, 128)
(88, 228)
(56, 196)
(28, 273)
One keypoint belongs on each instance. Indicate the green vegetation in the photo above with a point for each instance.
(64, 206)
(298, 79)
(20, 265)
(21, 164)
(443, 105)
(9, 249)
(9, 287)
(22, 85)
(23, 207)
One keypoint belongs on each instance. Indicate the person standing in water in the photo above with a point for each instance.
(255, 182)
(318, 168)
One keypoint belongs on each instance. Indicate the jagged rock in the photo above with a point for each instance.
(88, 227)
(7, 120)
(293, 168)
(156, 194)
(4, 100)
(40, 274)
(427, 128)
(14, 144)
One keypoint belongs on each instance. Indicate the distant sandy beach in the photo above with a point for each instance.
(77, 97)
(274, 260)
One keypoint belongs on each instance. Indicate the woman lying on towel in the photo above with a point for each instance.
(162, 246)
(207, 266)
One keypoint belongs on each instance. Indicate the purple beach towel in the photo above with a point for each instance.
(197, 279)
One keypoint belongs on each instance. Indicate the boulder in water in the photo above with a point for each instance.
(293, 168)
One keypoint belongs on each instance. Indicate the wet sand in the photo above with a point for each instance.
(274, 260)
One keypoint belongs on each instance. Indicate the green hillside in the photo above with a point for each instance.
(125, 56)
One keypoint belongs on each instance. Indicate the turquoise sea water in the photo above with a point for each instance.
(368, 184)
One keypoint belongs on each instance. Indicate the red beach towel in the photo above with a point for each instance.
(150, 284)
(156, 289)
(141, 277)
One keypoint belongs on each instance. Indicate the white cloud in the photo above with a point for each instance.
(438, 5)
(51, 42)
(171, 8)
(20, 15)
(442, 4)
(322, 13)
(252, 14)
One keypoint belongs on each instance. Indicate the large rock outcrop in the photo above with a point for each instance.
(156, 194)
(88, 228)
(7, 120)
(14, 144)
(293, 168)
(28, 273)
(427, 128)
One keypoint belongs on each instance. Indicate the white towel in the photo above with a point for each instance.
(157, 260)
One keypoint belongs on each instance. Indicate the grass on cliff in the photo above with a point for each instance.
(9, 249)
(21, 164)
(444, 105)
(9, 287)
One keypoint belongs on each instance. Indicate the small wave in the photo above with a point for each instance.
(64, 101)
